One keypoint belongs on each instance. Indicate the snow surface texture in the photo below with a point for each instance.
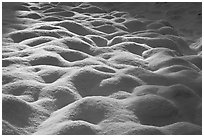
(78, 69)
